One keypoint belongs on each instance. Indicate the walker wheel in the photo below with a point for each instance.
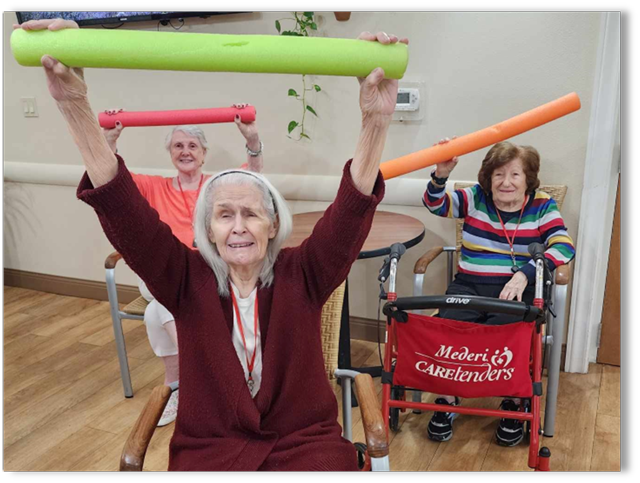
(397, 394)
(363, 457)
(394, 419)
(526, 405)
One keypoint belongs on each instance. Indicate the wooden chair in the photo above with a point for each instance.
(135, 448)
(555, 329)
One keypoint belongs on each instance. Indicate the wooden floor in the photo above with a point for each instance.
(64, 408)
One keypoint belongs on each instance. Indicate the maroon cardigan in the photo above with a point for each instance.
(291, 424)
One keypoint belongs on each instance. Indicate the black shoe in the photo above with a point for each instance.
(510, 431)
(441, 425)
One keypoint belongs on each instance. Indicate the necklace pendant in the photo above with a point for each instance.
(195, 245)
(514, 267)
(250, 383)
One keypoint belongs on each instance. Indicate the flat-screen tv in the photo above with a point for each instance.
(105, 18)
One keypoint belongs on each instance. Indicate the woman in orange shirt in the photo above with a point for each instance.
(174, 199)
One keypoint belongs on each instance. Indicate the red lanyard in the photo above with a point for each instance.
(244, 341)
(184, 198)
(513, 239)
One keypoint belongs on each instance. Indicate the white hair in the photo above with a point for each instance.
(194, 131)
(273, 203)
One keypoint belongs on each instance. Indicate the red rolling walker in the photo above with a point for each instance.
(470, 360)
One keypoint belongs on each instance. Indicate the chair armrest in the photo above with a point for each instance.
(137, 443)
(424, 261)
(563, 275)
(374, 429)
(111, 260)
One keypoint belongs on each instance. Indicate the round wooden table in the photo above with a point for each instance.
(387, 228)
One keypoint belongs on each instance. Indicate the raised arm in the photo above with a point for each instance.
(436, 198)
(112, 134)
(378, 98)
(253, 144)
(67, 86)
(131, 225)
(337, 238)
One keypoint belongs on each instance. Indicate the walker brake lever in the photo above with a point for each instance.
(383, 275)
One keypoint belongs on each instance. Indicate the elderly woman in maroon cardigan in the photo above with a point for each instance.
(254, 395)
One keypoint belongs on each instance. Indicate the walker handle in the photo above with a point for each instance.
(529, 313)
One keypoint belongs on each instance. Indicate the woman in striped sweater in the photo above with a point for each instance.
(502, 214)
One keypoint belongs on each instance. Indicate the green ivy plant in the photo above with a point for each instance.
(304, 22)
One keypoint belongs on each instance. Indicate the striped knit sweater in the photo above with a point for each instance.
(485, 256)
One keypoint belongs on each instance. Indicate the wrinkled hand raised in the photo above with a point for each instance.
(378, 96)
(443, 170)
(112, 135)
(249, 130)
(64, 83)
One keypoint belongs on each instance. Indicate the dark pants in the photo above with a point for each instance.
(459, 287)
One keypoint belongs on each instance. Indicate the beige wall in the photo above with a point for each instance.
(478, 69)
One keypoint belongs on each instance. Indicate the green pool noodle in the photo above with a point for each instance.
(274, 54)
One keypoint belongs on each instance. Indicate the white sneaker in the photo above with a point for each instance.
(170, 410)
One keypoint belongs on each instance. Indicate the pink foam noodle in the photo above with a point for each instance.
(177, 117)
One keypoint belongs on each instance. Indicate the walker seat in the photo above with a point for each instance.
(470, 360)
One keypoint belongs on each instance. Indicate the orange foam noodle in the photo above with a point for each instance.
(483, 138)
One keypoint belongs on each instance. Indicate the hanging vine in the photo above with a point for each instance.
(304, 22)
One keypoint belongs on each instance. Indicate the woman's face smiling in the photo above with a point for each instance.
(240, 226)
(187, 154)
(509, 185)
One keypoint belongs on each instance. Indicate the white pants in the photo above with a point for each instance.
(155, 317)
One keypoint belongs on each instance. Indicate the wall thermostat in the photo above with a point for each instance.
(408, 99)
(410, 103)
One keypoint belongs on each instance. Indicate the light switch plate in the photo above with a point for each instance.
(29, 107)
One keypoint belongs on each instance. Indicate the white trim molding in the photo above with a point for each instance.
(598, 201)
(400, 191)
